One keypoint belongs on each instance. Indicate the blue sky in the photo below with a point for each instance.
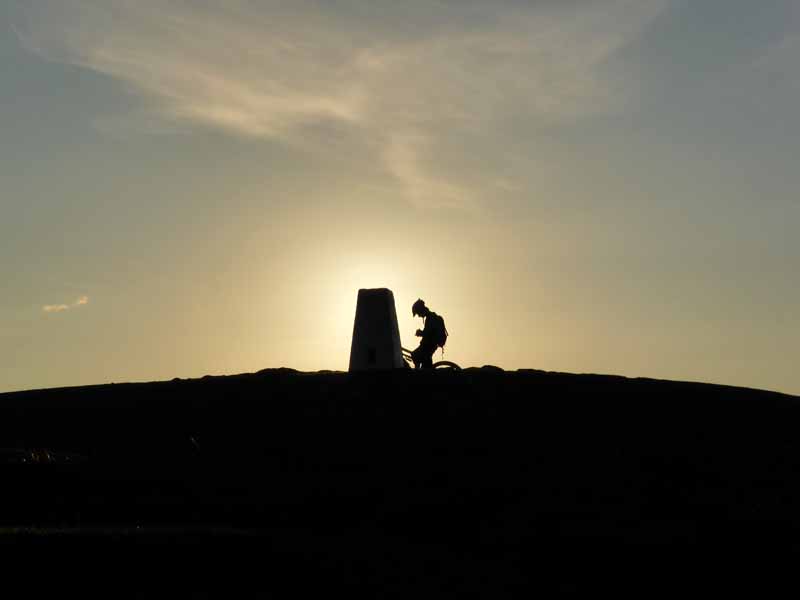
(586, 186)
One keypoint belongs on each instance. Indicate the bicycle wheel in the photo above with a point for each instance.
(446, 364)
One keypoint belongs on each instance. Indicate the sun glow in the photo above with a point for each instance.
(306, 322)
(343, 294)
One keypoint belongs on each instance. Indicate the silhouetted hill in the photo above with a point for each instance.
(404, 484)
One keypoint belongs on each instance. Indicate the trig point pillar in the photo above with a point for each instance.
(376, 337)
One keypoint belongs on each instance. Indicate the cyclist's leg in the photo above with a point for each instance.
(427, 351)
(416, 356)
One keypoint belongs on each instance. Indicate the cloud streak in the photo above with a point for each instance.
(55, 308)
(402, 80)
(58, 308)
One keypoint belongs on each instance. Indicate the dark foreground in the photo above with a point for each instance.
(400, 485)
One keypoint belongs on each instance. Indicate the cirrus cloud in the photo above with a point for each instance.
(407, 80)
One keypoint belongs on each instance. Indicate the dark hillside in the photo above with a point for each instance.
(404, 484)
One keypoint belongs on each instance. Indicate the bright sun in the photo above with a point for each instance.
(343, 295)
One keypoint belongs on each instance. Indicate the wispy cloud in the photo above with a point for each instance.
(57, 308)
(402, 79)
(405, 158)
(54, 308)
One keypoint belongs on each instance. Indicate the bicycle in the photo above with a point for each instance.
(442, 364)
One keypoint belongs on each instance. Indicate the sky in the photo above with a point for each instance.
(587, 186)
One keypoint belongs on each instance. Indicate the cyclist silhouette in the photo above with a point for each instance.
(434, 335)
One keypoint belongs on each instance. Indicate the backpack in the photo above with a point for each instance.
(436, 323)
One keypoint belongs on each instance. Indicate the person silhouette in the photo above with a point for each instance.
(434, 335)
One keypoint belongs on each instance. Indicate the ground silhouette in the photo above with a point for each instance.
(479, 483)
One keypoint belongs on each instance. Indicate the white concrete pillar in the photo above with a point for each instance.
(376, 337)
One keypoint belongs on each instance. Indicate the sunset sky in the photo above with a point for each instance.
(201, 187)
